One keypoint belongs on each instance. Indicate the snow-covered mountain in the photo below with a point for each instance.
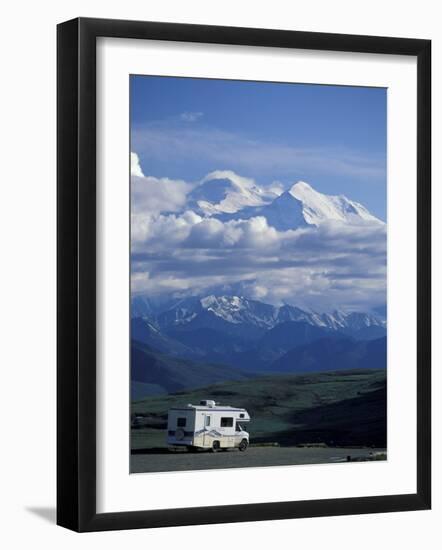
(283, 213)
(317, 207)
(225, 196)
(180, 313)
(228, 196)
(300, 206)
(224, 192)
(238, 310)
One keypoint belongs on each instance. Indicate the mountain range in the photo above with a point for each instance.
(178, 343)
(240, 312)
(216, 338)
(226, 196)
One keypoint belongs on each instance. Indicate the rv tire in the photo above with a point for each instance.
(243, 445)
(215, 446)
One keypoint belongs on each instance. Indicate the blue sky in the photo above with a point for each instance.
(333, 137)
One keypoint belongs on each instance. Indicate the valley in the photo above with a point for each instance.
(339, 408)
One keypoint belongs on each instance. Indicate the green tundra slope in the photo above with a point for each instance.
(337, 408)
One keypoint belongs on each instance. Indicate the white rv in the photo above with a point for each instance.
(208, 426)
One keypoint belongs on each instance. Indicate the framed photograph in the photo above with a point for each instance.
(243, 274)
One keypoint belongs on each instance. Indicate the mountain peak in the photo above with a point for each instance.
(300, 187)
(224, 191)
(228, 196)
(318, 207)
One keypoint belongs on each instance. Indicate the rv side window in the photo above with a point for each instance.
(207, 420)
(226, 422)
(181, 422)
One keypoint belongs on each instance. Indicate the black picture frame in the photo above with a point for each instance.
(77, 287)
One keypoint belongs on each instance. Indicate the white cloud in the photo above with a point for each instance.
(178, 252)
(161, 231)
(191, 116)
(240, 181)
(257, 234)
(139, 281)
(192, 231)
(135, 168)
(275, 188)
(336, 265)
(155, 195)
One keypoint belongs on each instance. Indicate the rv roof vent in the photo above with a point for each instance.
(207, 403)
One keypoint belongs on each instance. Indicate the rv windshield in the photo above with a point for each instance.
(239, 427)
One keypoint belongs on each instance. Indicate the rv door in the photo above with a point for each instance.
(207, 428)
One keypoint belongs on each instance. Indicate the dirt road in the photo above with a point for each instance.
(164, 460)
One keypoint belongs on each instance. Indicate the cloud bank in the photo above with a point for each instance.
(154, 195)
(176, 252)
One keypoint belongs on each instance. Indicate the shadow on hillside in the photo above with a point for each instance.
(359, 421)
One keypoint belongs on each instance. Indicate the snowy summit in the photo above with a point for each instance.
(317, 207)
(223, 191)
(227, 196)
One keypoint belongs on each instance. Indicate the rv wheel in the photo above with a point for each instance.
(243, 445)
(215, 446)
